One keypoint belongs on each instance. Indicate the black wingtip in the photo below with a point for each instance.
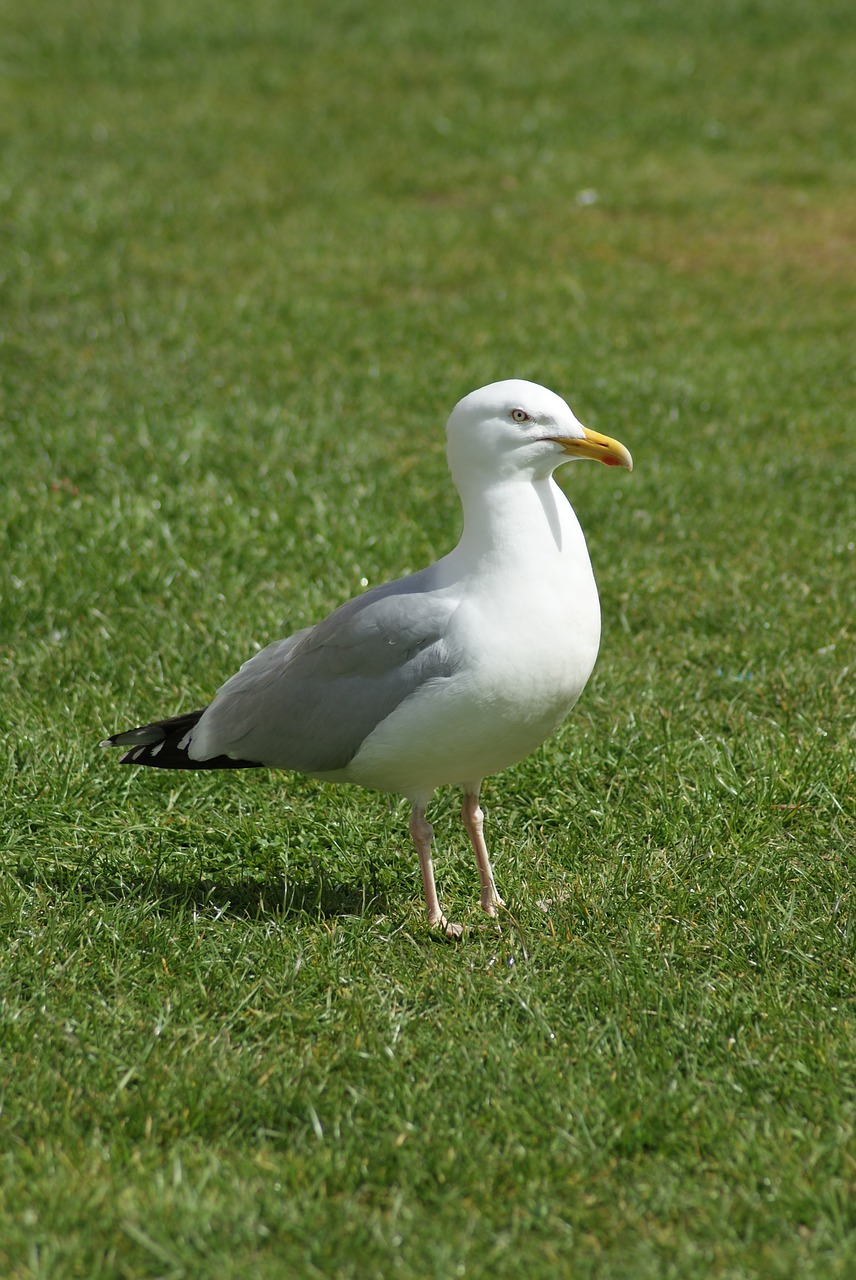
(164, 744)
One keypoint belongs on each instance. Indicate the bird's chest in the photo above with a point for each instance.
(530, 644)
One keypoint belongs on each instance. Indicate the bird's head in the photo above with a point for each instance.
(520, 428)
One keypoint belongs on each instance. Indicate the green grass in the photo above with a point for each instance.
(252, 254)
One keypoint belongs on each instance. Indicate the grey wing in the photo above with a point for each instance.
(309, 702)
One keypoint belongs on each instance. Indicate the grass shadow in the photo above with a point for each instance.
(275, 897)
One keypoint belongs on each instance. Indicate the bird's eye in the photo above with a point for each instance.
(520, 415)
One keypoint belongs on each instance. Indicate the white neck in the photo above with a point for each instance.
(517, 521)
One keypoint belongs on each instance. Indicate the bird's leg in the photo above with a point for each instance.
(423, 833)
(474, 823)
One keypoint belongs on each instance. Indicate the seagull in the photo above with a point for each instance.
(441, 677)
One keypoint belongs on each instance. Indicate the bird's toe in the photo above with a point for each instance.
(447, 929)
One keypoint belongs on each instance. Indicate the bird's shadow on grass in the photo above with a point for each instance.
(315, 896)
(274, 898)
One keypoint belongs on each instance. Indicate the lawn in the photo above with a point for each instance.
(251, 256)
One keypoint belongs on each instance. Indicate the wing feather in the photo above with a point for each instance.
(310, 701)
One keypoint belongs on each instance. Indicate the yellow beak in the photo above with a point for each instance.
(594, 445)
